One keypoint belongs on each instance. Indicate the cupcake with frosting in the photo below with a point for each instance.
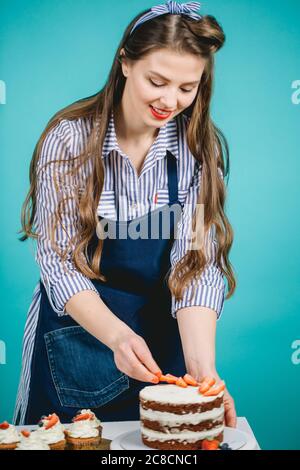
(9, 436)
(52, 432)
(85, 432)
(31, 441)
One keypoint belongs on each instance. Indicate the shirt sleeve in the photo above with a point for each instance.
(61, 279)
(209, 288)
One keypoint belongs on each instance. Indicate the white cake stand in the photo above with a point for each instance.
(236, 439)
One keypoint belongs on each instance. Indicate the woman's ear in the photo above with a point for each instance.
(123, 62)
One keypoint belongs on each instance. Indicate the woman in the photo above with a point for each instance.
(102, 320)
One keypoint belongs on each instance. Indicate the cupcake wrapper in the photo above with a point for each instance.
(58, 445)
(10, 446)
(81, 443)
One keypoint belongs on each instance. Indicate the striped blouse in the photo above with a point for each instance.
(140, 194)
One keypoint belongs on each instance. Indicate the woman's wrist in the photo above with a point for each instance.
(118, 334)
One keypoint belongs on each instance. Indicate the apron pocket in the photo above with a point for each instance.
(83, 369)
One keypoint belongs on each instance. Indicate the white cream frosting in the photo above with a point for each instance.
(33, 442)
(175, 395)
(53, 434)
(94, 421)
(171, 419)
(83, 429)
(9, 435)
(188, 436)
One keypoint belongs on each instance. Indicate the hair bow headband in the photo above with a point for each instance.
(171, 7)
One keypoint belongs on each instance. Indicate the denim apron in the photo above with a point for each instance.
(70, 368)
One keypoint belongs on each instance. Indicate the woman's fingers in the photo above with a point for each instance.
(230, 413)
(229, 406)
(134, 359)
(230, 418)
(138, 371)
(143, 353)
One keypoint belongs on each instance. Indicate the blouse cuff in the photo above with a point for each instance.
(205, 296)
(65, 288)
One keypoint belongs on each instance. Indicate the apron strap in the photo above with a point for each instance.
(172, 178)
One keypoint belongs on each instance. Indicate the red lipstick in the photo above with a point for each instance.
(158, 115)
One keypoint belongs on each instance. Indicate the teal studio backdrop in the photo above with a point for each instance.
(54, 52)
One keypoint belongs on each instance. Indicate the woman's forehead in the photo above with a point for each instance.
(169, 66)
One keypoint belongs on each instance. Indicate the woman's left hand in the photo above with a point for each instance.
(229, 407)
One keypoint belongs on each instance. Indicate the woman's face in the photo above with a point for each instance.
(165, 80)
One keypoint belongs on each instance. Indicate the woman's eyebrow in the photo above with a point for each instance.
(164, 78)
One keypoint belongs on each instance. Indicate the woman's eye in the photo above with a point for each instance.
(157, 85)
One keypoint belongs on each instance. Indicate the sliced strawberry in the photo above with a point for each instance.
(83, 417)
(210, 444)
(204, 388)
(4, 425)
(163, 378)
(181, 383)
(171, 378)
(189, 380)
(209, 380)
(215, 390)
(25, 433)
(206, 383)
(51, 420)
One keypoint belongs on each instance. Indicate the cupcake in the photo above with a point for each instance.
(31, 441)
(85, 432)
(9, 436)
(52, 432)
(88, 414)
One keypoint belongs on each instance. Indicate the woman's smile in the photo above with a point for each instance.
(158, 114)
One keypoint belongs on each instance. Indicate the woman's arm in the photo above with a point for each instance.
(131, 353)
(197, 327)
(89, 310)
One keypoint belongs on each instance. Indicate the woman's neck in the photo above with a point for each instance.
(130, 130)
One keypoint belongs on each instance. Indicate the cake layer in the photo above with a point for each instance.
(173, 419)
(187, 436)
(204, 426)
(172, 444)
(182, 409)
(166, 394)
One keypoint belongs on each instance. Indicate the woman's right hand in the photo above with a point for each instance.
(133, 357)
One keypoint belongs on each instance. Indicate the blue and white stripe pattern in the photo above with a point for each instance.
(172, 7)
(141, 193)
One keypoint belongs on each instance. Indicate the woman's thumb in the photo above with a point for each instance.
(144, 355)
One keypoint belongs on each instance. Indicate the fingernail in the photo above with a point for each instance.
(155, 380)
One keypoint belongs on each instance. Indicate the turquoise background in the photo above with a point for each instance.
(55, 52)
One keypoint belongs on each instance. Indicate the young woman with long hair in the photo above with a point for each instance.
(111, 312)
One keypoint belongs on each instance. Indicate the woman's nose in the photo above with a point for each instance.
(169, 101)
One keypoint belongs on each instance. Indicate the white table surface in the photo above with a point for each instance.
(114, 429)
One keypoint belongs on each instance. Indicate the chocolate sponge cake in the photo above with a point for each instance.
(173, 417)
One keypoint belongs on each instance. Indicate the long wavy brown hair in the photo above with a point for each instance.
(206, 142)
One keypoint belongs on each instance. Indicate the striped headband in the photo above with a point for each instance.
(171, 7)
